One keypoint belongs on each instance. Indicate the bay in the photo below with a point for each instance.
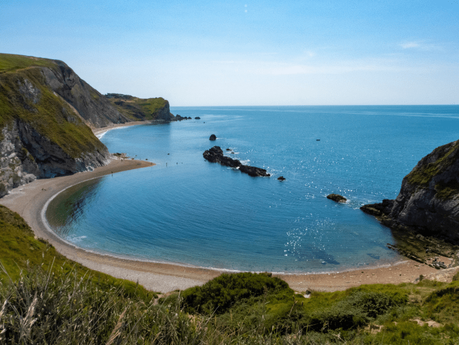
(188, 211)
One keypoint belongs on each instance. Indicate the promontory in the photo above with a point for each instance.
(46, 115)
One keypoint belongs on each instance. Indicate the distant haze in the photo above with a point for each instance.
(248, 52)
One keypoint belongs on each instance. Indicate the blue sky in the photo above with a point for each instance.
(248, 52)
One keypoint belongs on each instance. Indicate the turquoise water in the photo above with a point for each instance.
(189, 211)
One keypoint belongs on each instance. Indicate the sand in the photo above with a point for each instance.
(30, 200)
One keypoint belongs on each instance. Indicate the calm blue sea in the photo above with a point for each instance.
(189, 211)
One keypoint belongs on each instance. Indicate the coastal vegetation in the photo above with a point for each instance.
(9, 62)
(140, 109)
(25, 97)
(45, 298)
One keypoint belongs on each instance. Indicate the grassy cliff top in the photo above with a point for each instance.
(433, 167)
(25, 96)
(137, 109)
(11, 63)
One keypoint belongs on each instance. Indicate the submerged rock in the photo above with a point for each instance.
(337, 198)
(281, 178)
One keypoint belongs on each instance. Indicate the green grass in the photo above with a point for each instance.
(9, 62)
(45, 298)
(48, 114)
(20, 250)
(138, 109)
(423, 175)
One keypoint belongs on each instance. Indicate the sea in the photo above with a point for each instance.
(188, 211)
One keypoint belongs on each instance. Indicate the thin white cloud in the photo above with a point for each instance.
(420, 45)
(409, 45)
(336, 68)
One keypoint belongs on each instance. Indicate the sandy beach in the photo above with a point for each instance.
(29, 201)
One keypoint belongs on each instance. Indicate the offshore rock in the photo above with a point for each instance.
(337, 198)
(428, 202)
(213, 137)
(253, 171)
(215, 155)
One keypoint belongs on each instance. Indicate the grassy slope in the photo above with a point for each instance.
(11, 63)
(421, 176)
(138, 109)
(50, 116)
(244, 308)
(20, 250)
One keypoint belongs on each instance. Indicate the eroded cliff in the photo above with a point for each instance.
(428, 201)
(43, 134)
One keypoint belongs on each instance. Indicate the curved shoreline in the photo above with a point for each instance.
(50, 231)
(30, 202)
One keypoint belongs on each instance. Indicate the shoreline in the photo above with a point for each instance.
(31, 200)
(100, 132)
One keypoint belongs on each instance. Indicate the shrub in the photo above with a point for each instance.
(220, 294)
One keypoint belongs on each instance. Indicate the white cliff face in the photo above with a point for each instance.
(26, 155)
(40, 134)
(17, 165)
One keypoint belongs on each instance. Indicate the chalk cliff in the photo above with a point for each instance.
(46, 112)
(428, 201)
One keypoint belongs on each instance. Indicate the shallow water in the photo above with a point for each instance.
(187, 210)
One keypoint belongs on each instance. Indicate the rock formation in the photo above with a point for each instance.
(337, 198)
(45, 111)
(93, 107)
(213, 137)
(215, 155)
(428, 201)
(42, 134)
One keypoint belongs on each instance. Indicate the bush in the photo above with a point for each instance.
(355, 310)
(220, 294)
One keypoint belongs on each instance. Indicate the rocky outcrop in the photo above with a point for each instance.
(43, 132)
(213, 137)
(26, 155)
(93, 107)
(215, 155)
(180, 118)
(45, 111)
(428, 202)
(337, 198)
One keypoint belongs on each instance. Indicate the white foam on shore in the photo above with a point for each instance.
(100, 135)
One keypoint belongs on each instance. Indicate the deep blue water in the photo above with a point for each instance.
(187, 210)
